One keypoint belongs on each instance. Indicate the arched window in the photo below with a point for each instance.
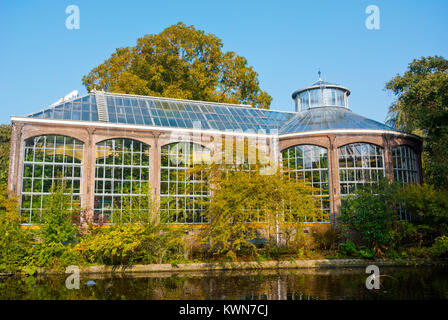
(310, 163)
(183, 193)
(47, 159)
(359, 164)
(405, 164)
(122, 169)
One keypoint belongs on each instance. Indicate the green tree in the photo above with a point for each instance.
(57, 217)
(371, 212)
(180, 62)
(137, 235)
(15, 243)
(279, 203)
(421, 108)
(5, 138)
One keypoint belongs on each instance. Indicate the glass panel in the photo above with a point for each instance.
(122, 170)
(310, 163)
(177, 187)
(355, 163)
(48, 160)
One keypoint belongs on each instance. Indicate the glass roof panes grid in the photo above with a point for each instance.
(192, 115)
(80, 109)
(159, 112)
(328, 118)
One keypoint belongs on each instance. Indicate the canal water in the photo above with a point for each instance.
(298, 284)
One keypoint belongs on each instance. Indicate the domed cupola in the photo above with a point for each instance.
(321, 94)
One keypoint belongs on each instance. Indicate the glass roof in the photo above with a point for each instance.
(172, 113)
(328, 118)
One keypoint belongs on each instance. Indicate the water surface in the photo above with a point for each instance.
(297, 284)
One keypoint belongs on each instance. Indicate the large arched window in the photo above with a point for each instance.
(121, 170)
(359, 164)
(405, 164)
(47, 159)
(310, 163)
(183, 193)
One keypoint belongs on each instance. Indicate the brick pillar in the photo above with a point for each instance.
(155, 153)
(335, 195)
(15, 159)
(420, 165)
(388, 159)
(88, 175)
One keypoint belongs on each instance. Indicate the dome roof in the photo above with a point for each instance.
(330, 118)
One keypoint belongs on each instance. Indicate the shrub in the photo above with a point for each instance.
(440, 247)
(429, 206)
(136, 236)
(15, 243)
(326, 238)
(404, 233)
(57, 216)
(371, 212)
(240, 197)
(132, 243)
(55, 255)
(348, 248)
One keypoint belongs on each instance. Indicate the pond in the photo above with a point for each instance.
(297, 284)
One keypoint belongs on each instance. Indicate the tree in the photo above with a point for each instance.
(180, 62)
(5, 138)
(241, 199)
(57, 217)
(421, 108)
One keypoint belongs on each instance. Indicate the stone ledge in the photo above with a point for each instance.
(253, 265)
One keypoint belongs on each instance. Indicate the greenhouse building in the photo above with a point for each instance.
(109, 145)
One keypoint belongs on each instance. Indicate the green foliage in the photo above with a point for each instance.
(138, 236)
(240, 197)
(405, 233)
(440, 247)
(5, 140)
(57, 216)
(429, 206)
(421, 107)
(15, 243)
(348, 248)
(371, 216)
(180, 62)
(371, 212)
(326, 238)
(126, 244)
(54, 255)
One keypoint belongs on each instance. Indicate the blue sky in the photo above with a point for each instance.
(285, 41)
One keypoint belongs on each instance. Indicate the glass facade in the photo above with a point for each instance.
(319, 97)
(405, 164)
(359, 164)
(122, 170)
(48, 159)
(183, 192)
(309, 163)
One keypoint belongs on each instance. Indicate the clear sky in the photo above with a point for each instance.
(285, 41)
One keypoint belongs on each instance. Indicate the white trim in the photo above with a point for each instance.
(216, 132)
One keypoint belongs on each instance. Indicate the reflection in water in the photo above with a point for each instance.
(322, 284)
